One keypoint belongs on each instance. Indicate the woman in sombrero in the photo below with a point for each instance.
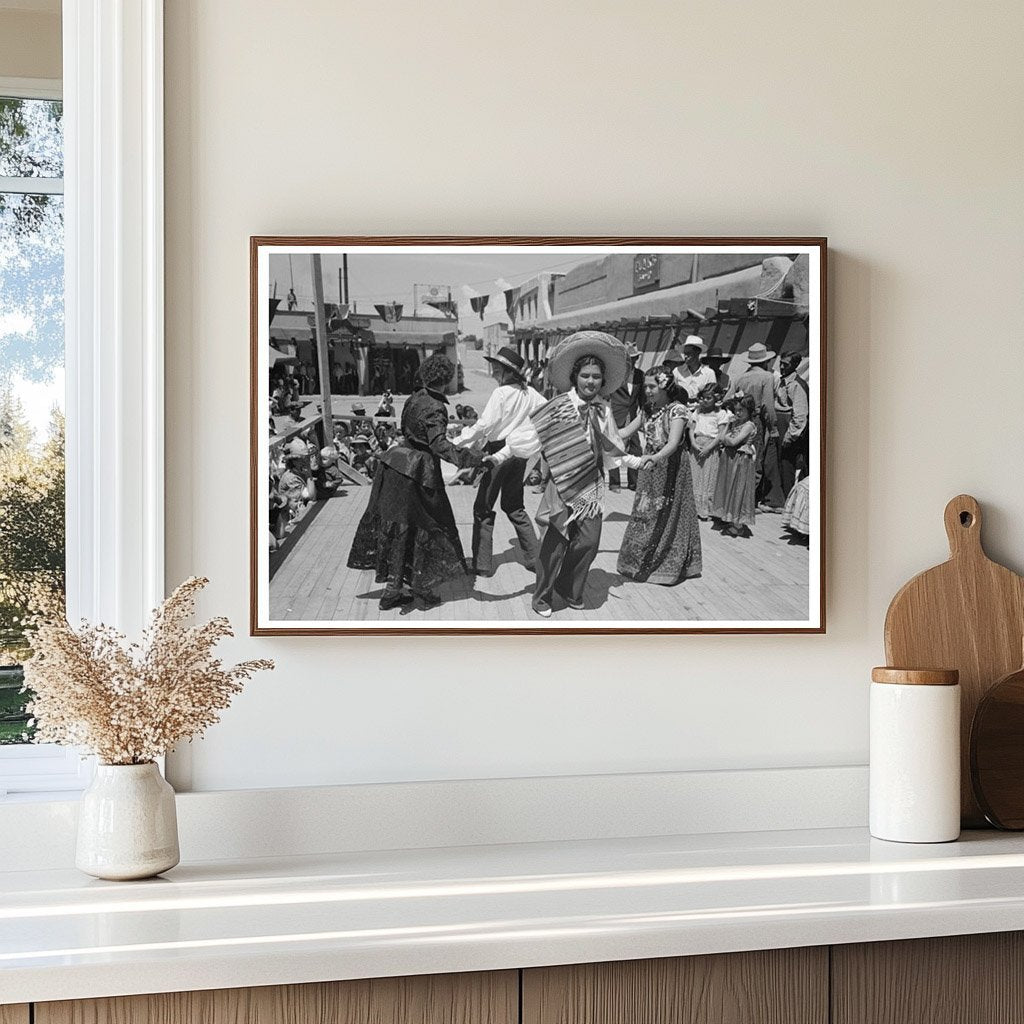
(577, 436)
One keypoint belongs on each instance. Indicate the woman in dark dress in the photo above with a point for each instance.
(662, 541)
(408, 533)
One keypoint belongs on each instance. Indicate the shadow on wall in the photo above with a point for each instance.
(851, 425)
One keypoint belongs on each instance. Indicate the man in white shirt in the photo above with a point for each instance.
(507, 410)
(691, 375)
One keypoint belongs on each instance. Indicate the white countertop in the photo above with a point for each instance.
(224, 924)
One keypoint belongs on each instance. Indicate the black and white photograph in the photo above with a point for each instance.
(537, 435)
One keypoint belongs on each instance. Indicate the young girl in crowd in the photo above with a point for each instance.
(662, 540)
(705, 427)
(733, 502)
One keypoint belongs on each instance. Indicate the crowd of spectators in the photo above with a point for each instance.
(302, 471)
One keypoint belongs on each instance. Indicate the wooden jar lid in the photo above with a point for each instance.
(916, 676)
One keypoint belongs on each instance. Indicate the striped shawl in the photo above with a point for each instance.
(570, 457)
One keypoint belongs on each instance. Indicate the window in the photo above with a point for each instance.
(32, 533)
(112, 212)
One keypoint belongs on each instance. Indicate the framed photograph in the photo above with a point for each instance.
(537, 435)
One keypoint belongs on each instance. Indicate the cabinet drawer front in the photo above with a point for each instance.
(777, 986)
(14, 1014)
(960, 979)
(482, 998)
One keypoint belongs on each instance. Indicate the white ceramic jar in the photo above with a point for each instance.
(915, 755)
(127, 823)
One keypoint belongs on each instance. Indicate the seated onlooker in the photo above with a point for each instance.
(329, 477)
(278, 513)
(300, 448)
(293, 486)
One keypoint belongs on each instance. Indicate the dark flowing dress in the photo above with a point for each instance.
(662, 541)
(408, 534)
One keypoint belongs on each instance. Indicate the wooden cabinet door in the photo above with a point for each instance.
(777, 986)
(14, 1014)
(482, 998)
(960, 979)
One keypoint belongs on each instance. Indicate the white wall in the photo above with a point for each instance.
(894, 129)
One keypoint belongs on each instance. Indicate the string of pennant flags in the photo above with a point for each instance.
(437, 296)
(440, 297)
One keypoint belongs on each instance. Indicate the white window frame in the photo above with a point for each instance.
(114, 344)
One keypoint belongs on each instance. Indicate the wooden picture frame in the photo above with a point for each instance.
(744, 292)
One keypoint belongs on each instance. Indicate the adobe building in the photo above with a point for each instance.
(731, 300)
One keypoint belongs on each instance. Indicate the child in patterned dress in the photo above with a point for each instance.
(733, 503)
(705, 427)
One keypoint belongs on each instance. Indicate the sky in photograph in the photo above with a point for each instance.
(390, 278)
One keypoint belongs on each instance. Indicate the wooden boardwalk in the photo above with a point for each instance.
(764, 577)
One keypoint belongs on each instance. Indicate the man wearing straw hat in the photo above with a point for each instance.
(758, 381)
(690, 374)
(577, 436)
(509, 407)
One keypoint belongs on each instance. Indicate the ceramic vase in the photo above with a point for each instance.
(127, 825)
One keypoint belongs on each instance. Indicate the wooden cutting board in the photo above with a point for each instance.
(967, 614)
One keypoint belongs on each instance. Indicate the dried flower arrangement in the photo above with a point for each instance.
(130, 703)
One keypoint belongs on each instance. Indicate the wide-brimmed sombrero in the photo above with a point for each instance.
(605, 347)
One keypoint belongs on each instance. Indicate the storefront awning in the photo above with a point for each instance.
(291, 334)
(278, 358)
(407, 339)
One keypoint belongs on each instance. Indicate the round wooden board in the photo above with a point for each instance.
(997, 752)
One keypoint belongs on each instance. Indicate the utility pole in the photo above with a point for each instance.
(326, 412)
(344, 274)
